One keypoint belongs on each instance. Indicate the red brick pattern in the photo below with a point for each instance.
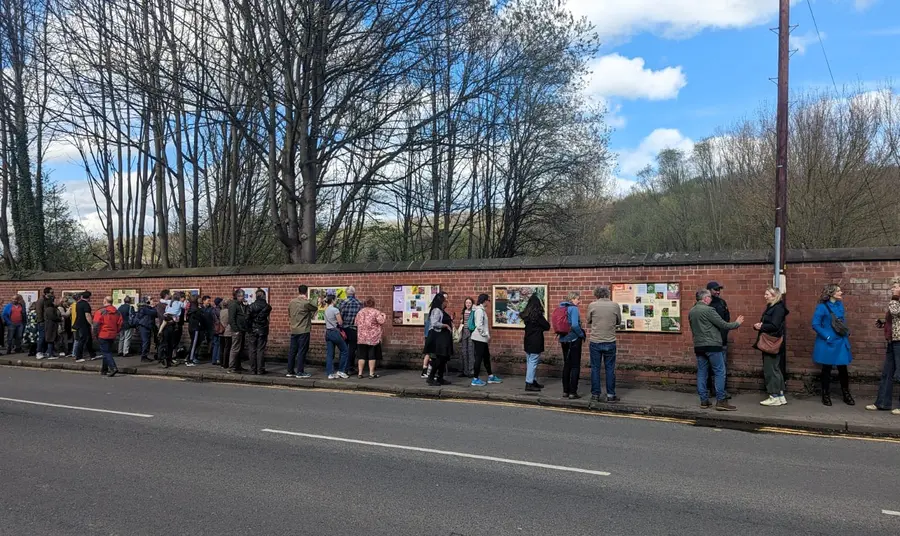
(647, 358)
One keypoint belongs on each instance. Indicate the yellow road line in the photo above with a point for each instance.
(792, 431)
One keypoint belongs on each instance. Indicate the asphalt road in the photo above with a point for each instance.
(195, 459)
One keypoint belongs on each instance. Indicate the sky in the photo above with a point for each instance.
(672, 72)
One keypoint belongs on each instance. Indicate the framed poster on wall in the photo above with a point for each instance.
(29, 297)
(340, 292)
(188, 292)
(508, 302)
(649, 307)
(70, 294)
(250, 293)
(410, 303)
(118, 297)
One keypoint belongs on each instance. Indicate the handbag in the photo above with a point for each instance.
(457, 333)
(769, 344)
(840, 328)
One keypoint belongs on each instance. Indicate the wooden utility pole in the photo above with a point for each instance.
(781, 157)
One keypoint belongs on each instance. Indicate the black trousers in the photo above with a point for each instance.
(256, 345)
(352, 343)
(224, 351)
(571, 366)
(482, 356)
(843, 376)
(438, 367)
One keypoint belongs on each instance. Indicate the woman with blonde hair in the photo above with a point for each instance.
(770, 341)
(832, 346)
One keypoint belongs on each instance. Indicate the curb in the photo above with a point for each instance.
(698, 417)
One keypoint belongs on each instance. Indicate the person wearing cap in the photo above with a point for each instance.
(721, 306)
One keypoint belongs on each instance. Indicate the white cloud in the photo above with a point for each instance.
(672, 18)
(801, 42)
(614, 75)
(862, 5)
(622, 187)
(632, 161)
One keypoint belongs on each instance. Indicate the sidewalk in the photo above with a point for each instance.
(800, 413)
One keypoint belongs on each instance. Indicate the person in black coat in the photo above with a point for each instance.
(536, 325)
(772, 324)
(198, 327)
(258, 338)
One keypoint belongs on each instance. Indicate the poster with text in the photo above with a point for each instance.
(29, 296)
(118, 297)
(70, 294)
(411, 302)
(649, 307)
(509, 302)
(340, 293)
(250, 293)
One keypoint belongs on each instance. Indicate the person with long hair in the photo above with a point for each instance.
(772, 325)
(890, 371)
(440, 340)
(832, 347)
(466, 348)
(535, 325)
(370, 323)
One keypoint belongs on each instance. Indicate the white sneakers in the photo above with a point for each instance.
(774, 401)
(343, 375)
(873, 407)
(40, 355)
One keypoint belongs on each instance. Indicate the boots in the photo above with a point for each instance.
(826, 398)
(848, 398)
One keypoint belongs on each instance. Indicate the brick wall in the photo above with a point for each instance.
(665, 359)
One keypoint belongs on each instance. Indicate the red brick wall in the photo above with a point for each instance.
(658, 358)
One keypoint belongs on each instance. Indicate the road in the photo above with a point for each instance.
(202, 458)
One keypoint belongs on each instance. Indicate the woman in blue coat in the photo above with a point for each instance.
(832, 348)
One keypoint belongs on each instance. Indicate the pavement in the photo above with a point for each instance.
(801, 413)
(86, 455)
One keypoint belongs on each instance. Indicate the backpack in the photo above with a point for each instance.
(560, 320)
(471, 323)
(133, 320)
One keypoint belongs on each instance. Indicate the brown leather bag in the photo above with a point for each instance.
(768, 344)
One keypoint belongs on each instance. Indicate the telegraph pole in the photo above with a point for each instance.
(781, 157)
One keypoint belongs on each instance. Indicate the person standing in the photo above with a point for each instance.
(14, 317)
(604, 316)
(832, 347)
(125, 311)
(227, 333)
(721, 306)
(238, 318)
(481, 339)
(891, 368)
(259, 312)
(51, 328)
(370, 323)
(772, 326)
(571, 343)
(466, 348)
(216, 329)
(441, 340)
(82, 325)
(198, 327)
(706, 329)
(536, 325)
(146, 317)
(42, 304)
(300, 314)
(334, 339)
(107, 324)
(349, 309)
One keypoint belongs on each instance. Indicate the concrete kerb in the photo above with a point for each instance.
(706, 418)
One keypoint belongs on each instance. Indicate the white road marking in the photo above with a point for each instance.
(442, 452)
(95, 410)
(890, 513)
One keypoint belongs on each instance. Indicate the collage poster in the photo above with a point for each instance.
(320, 292)
(410, 303)
(250, 293)
(649, 307)
(118, 297)
(69, 294)
(29, 296)
(509, 301)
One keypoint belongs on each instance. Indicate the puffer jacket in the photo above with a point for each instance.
(259, 316)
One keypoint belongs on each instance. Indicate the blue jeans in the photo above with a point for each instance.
(297, 353)
(333, 338)
(146, 337)
(886, 386)
(106, 348)
(603, 352)
(216, 348)
(14, 334)
(531, 370)
(716, 360)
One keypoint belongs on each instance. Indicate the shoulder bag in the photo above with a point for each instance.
(838, 325)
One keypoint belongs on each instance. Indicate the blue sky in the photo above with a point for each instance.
(673, 71)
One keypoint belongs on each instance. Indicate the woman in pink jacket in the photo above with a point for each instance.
(369, 324)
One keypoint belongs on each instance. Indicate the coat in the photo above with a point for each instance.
(773, 320)
(535, 326)
(51, 323)
(829, 348)
(108, 323)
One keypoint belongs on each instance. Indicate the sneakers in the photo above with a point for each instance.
(531, 387)
(895, 412)
(52, 357)
(494, 379)
(343, 375)
(333, 376)
(304, 375)
(612, 399)
(190, 364)
(723, 405)
(82, 360)
(290, 375)
(595, 398)
(424, 372)
(478, 382)
(39, 356)
(705, 404)
(772, 401)
(783, 400)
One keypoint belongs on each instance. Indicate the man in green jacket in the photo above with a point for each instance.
(707, 328)
(300, 312)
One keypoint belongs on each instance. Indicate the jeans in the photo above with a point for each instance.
(571, 366)
(297, 353)
(48, 348)
(216, 348)
(14, 334)
(711, 382)
(125, 340)
(106, 348)
(531, 369)
(333, 338)
(886, 386)
(41, 341)
(146, 337)
(603, 353)
(716, 360)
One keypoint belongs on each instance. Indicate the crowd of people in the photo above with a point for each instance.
(229, 332)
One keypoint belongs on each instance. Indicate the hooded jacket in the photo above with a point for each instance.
(108, 322)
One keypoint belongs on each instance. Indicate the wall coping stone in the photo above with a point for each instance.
(796, 256)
